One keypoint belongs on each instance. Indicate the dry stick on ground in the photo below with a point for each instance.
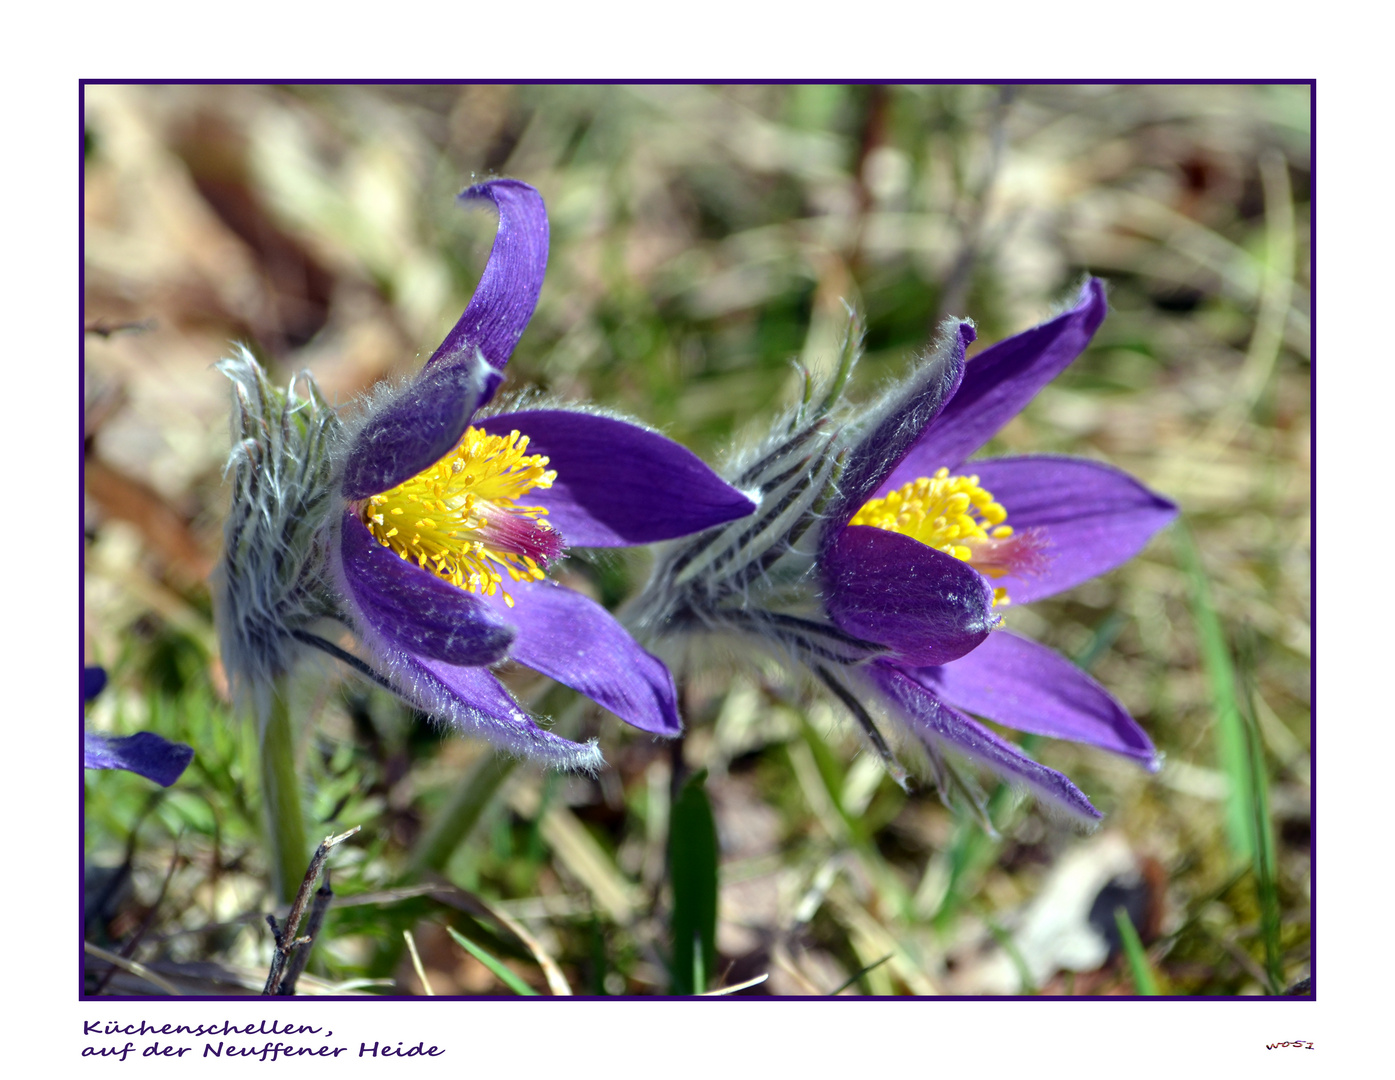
(285, 935)
(323, 895)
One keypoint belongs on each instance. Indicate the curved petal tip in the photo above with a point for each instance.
(1000, 380)
(508, 289)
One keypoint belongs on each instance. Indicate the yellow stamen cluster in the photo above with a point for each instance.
(952, 514)
(460, 518)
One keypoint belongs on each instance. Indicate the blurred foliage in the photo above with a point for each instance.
(701, 238)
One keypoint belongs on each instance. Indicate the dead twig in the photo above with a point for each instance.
(323, 895)
(277, 982)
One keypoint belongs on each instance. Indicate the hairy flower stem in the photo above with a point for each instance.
(285, 820)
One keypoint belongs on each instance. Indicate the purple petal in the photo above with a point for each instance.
(1094, 517)
(144, 753)
(619, 484)
(416, 426)
(571, 638)
(997, 385)
(929, 607)
(936, 722)
(472, 700)
(902, 420)
(1026, 686)
(508, 290)
(414, 609)
(93, 680)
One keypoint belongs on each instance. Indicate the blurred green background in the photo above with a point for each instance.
(702, 237)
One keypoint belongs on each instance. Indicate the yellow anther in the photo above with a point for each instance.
(954, 514)
(477, 529)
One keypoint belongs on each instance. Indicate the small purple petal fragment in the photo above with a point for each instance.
(94, 679)
(929, 390)
(619, 484)
(144, 753)
(1023, 685)
(1094, 517)
(414, 609)
(471, 700)
(508, 289)
(929, 607)
(997, 385)
(935, 721)
(574, 640)
(417, 427)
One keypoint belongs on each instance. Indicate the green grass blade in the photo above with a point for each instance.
(699, 966)
(505, 974)
(1142, 971)
(692, 846)
(1266, 883)
(1231, 738)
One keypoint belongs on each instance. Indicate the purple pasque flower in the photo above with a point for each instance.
(882, 573)
(427, 524)
(144, 752)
